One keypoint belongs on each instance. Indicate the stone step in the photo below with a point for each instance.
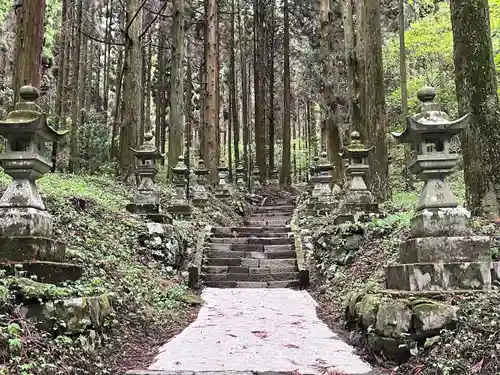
(252, 277)
(276, 214)
(244, 264)
(261, 234)
(252, 240)
(253, 284)
(250, 230)
(250, 247)
(250, 254)
(266, 223)
(274, 208)
(250, 270)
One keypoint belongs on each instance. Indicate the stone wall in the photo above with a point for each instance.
(397, 327)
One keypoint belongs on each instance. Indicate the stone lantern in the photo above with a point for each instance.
(255, 178)
(442, 253)
(240, 176)
(322, 192)
(200, 191)
(358, 201)
(147, 200)
(179, 205)
(221, 190)
(26, 241)
(313, 174)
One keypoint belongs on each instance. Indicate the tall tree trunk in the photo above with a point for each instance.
(352, 66)
(259, 89)
(375, 100)
(475, 79)
(75, 85)
(233, 89)
(29, 45)
(131, 110)
(176, 137)
(271, 92)
(211, 101)
(285, 177)
(244, 89)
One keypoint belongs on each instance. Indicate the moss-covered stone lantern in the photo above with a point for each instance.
(442, 253)
(358, 201)
(25, 225)
(179, 205)
(200, 196)
(256, 178)
(322, 192)
(147, 199)
(241, 176)
(222, 190)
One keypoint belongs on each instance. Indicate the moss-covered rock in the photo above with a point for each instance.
(73, 315)
(395, 349)
(368, 309)
(431, 316)
(394, 318)
(27, 289)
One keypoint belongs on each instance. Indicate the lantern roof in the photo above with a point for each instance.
(431, 120)
(28, 117)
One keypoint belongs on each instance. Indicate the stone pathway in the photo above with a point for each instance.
(257, 330)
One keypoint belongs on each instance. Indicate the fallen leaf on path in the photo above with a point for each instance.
(261, 334)
(232, 335)
(293, 346)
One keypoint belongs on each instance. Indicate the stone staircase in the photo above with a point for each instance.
(260, 254)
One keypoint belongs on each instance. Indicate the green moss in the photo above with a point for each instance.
(28, 289)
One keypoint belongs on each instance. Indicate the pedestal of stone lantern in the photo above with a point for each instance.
(275, 177)
(26, 241)
(179, 206)
(147, 199)
(358, 201)
(442, 253)
(322, 198)
(222, 189)
(200, 194)
(313, 174)
(256, 178)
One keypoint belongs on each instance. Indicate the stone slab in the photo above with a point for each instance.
(439, 276)
(445, 249)
(258, 330)
(17, 249)
(46, 272)
(451, 222)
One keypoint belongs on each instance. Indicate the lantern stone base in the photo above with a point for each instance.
(150, 212)
(355, 212)
(495, 271)
(180, 212)
(359, 197)
(222, 193)
(445, 249)
(46, 272)
(22, 248)
(441, 222)
(24, 221)
(439, 276)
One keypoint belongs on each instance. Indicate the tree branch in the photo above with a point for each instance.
(154, 19)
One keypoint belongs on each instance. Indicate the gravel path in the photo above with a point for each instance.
(258, 330)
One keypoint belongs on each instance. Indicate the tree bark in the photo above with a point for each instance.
(75, 86)
(285, 175)
(375, 100)
(176, 131)
(131, 110)
(475, 79)
(29, 45)
(211, 101)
